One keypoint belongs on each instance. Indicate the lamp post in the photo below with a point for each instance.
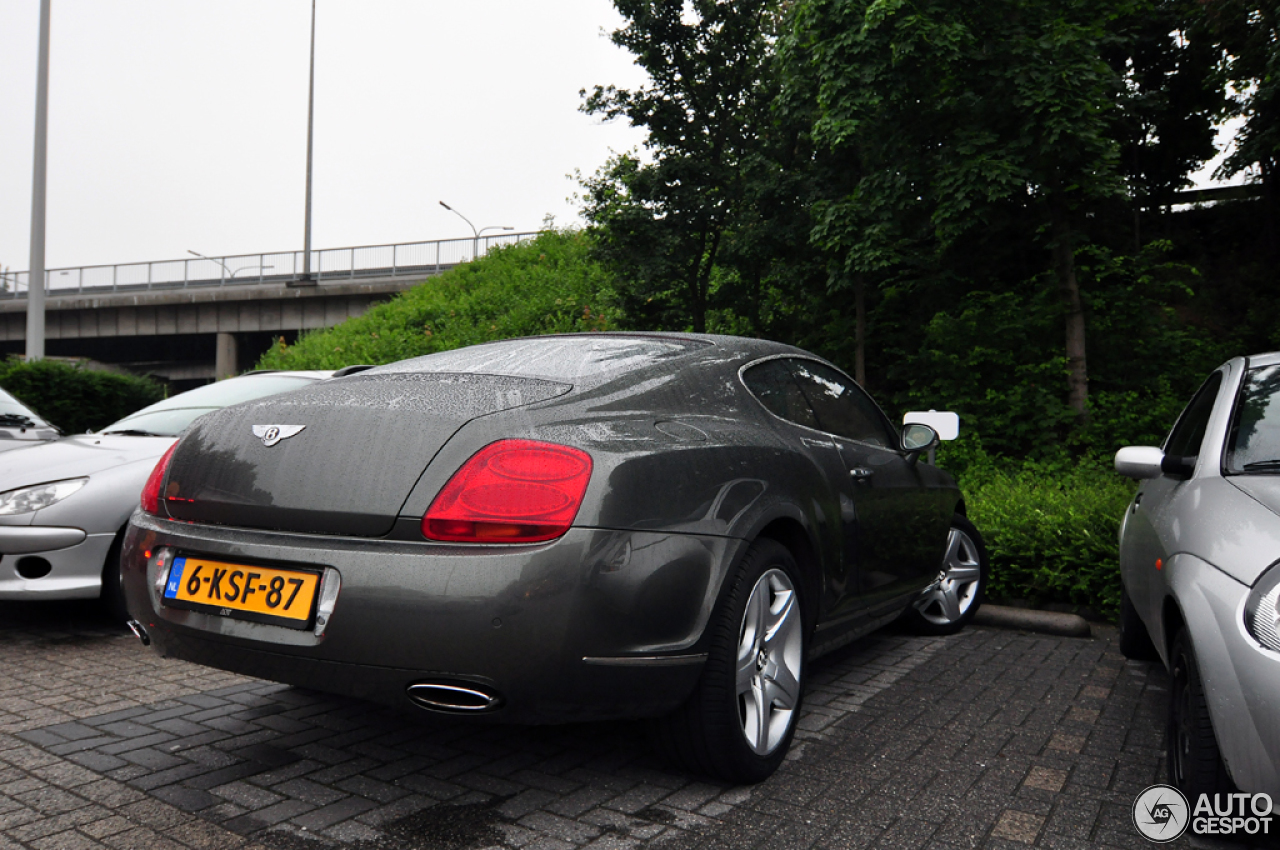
(311, 107)
(475, 234)
(225, 268)
(35, 275)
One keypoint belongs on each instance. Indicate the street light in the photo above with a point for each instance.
(475, 234)
(225, 267)
(35, 275)
(311, 109)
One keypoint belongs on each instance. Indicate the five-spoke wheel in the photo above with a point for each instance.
(951, 601)
(769, 660)
(738, 723)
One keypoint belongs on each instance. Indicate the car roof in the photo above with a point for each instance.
(318, 374)
(1271, 358)
(519, 357)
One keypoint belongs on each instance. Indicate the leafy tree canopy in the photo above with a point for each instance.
(667, 219)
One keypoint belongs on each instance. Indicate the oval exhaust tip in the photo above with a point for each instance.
(139, 632)
(454, 697)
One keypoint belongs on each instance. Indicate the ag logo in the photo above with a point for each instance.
(1161, 814)
(272, 434)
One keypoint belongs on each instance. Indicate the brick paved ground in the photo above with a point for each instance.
(987, 739)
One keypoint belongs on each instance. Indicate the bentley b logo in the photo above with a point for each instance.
(272, 434)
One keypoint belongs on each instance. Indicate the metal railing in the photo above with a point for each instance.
(404, 259)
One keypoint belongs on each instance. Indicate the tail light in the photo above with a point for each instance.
(151, 492)
(511, 491)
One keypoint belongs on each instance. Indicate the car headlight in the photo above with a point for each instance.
(1262, 609)
(26, 499)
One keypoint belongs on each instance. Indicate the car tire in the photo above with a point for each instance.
(1195, 762)
(738, 723)
(948, 604)
(112, 594)
(1135, 640)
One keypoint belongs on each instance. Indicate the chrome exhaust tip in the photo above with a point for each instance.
(454, 697)
(139, 632)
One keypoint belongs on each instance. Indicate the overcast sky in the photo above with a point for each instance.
(181, 124)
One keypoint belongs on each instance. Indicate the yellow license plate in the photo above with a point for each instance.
(264, 594)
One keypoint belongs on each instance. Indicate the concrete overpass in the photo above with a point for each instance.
(190, 321)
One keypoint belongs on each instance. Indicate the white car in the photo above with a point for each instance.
(1200, 561)
(64, 504)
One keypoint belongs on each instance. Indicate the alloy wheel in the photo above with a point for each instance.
(769, 658)
(953, 593)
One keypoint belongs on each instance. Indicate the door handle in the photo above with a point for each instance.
(861, 473)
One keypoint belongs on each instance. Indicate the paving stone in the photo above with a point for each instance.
(187, 799)
(333, 813)
(988, 738)
(69, 840)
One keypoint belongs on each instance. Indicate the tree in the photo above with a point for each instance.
(1248, 36)
(962, 117)
(664, 224)
(1174, 92)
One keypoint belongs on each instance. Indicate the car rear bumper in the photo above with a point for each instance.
(1241, 677)
(594, 625)
(67, 561)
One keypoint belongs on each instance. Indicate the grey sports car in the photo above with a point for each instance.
(1200, 560)
(64, 504)
(556, 529)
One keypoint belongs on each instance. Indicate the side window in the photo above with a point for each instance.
(772, 384)
(841, 405)
(1188, 433)
(1255, 434)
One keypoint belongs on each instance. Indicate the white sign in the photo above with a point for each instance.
(945, 422)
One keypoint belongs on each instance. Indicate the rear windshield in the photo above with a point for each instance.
(561, 358)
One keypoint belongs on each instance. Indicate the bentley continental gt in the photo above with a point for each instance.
(557, 529)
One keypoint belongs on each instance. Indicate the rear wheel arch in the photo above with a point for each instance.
(792, 535)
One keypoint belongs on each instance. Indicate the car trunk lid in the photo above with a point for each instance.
(338, 457)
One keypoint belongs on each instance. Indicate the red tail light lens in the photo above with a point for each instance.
(511, 491)
(151, 492)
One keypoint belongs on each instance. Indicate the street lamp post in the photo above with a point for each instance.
(311, 107)
(227, 270)
(35, 274)
(475, 234)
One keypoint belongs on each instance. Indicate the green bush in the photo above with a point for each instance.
(547, 285)
(1050, 529)
(76, 399)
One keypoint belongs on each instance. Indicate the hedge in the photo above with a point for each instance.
(73, 398)
(1051, 531)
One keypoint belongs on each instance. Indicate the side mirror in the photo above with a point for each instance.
(1149, 462)
(917, 438)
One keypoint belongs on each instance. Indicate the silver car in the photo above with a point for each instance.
(20, 426)
(64, 504)
(1200, 561)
